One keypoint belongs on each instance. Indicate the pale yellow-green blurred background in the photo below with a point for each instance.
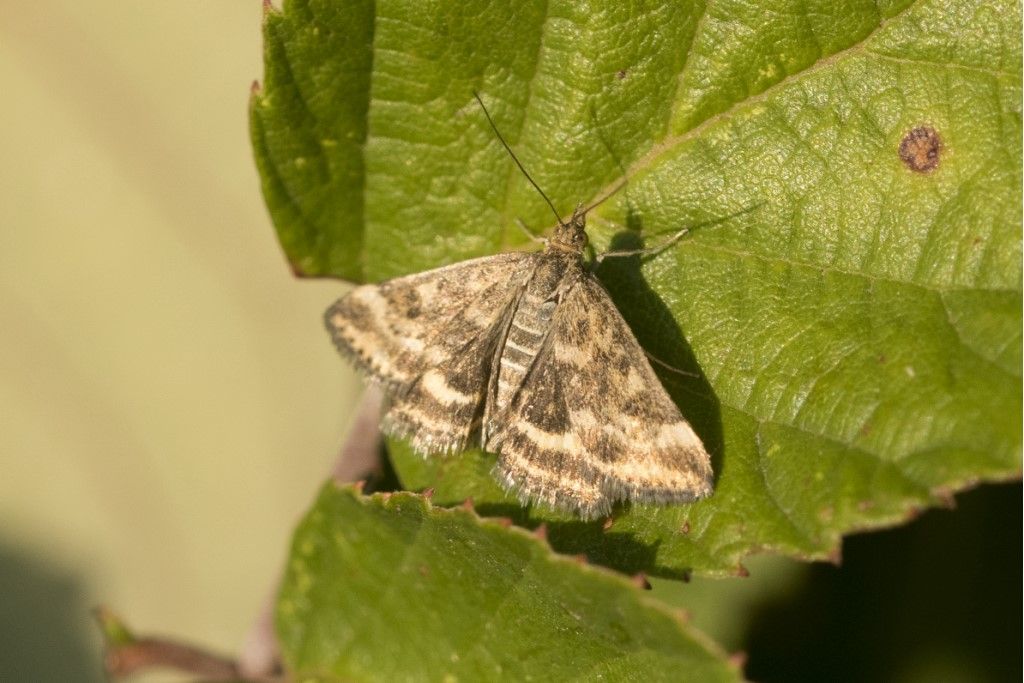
(169, 400)
(169, 403)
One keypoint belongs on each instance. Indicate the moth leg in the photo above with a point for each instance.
(667, 366)
(650, 251)
(529, 234)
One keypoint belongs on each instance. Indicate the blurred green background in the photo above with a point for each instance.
(170, 403)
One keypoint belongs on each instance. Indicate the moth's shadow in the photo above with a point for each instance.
(656, 329)
(610, 548)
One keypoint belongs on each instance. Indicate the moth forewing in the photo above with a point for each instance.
(420, 337)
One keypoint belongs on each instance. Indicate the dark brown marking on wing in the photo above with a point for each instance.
(545, 407)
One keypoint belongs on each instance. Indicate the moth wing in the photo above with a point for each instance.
(592, 423)
(429, 340)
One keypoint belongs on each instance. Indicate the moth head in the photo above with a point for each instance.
(571, 236)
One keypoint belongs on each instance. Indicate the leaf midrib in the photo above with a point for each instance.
(671, 142)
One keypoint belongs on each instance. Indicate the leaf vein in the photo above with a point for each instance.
(673, 141)
(968, 347)
(697, 29)
(787, 516)
(995, 73)
(823, 268)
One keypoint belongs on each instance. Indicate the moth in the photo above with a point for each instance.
(525, 355)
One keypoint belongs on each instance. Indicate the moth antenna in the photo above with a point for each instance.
(515, 158)
(621, 184)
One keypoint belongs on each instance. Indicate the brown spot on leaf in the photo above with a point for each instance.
(621, 74)
(920, 149)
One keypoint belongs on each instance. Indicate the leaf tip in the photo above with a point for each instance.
(580, 559)
(298, 270)
(428, 493)
(835, 556)
(641, 582)
(685, 528)
(115, 632)
(945, 498)
(607, 524)
(468, 504)
(255, 88)
(913, 512)
(357, 486)
(541, 532)
(738, 659)
(741, 571)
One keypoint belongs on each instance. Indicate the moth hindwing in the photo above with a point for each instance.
(525, 355)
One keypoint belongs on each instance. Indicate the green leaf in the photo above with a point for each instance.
(308, 129)
(389, 588)
(854, 324)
